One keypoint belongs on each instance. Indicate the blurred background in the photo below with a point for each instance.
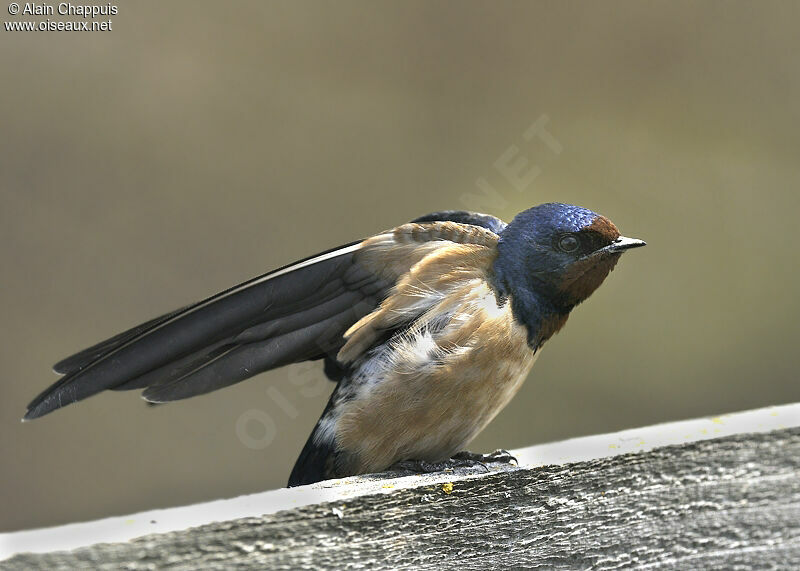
(200, 143)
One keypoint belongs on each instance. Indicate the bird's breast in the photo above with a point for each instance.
(430, 389)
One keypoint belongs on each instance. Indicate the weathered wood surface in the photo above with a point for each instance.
(728, 503)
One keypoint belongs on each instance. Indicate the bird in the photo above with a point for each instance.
(428, 330)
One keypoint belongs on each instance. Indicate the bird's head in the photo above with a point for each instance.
(552, 257)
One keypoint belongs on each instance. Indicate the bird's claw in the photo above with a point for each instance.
(463, 459)
(499, 455)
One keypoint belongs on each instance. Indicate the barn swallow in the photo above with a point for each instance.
(428, 329)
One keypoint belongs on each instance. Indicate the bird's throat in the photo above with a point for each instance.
(542, 318)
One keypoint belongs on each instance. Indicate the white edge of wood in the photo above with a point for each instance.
(125, 528)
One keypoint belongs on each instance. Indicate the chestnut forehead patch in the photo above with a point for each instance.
(604, 227)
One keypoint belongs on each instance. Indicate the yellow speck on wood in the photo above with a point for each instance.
(612, 445)
(387, 486)
(717, 420)
(130, 521)
(447, 487)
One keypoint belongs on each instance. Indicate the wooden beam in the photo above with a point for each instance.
(707, 499)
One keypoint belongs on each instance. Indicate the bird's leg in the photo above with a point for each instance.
(461, 459)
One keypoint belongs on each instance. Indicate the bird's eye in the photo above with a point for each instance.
(568, 243)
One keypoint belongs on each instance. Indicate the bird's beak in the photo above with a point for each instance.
(622, 243)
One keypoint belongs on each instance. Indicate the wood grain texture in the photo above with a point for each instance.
(728, 503)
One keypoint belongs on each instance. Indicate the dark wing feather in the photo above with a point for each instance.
(281, 310)
(240, 362)
(83, 358)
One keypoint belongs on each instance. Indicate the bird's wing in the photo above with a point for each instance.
(296, 313)
(487, 221)
(446, 254)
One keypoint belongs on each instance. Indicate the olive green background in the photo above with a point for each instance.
(200, 143)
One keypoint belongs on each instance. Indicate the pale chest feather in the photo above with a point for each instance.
(433, 388)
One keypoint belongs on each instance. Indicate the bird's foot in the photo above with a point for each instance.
(499, 455)
(462, 459)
